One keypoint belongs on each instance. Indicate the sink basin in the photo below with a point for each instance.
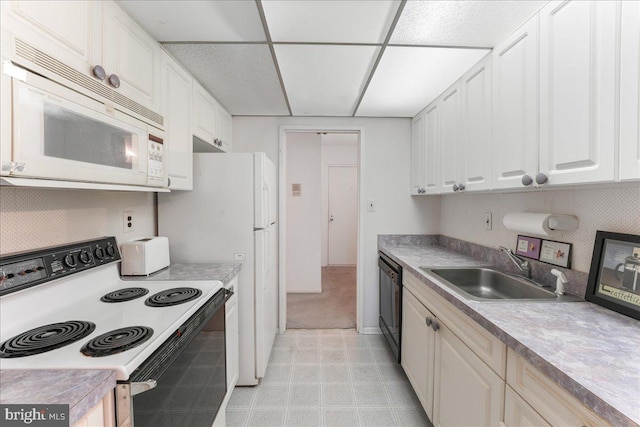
(484, 283)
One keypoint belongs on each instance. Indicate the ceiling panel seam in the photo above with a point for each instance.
(382, 49)
(267, 34)
(434, 46)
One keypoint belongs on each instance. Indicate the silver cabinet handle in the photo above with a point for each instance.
(455, 187)
(429, 321)
(527, 180)
(99, 72)
(141, 387)
(330, 218)
(461, 187)
(114, 81)
(541, 178)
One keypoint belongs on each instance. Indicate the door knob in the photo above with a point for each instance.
(330, 218)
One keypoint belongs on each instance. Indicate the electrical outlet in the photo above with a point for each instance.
(371, 206)
(239, 257)
(128, 223)
(488, 224)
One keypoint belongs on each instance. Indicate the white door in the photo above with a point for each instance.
(431, 143)
(578, 91)
(343, 215)
(515, 107)
(417, 154)
(630, 91)
(266, 296)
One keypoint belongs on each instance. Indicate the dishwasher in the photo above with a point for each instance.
(390, 302)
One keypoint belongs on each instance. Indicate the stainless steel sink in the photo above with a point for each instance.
(484, 283)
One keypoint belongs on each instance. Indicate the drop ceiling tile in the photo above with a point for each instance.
(324, 80)
(407, 79)
(241, 77)
(461, 23)
(191, 21)
(329, 21)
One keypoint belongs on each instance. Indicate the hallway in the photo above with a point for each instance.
(334, 308)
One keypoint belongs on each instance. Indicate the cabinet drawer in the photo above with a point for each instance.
(489, 348)
(517, 412)
(546, 397)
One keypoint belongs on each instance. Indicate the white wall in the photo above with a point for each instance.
(614, 208)
(34, 218)
(337, 149)
(303, 213)
(385, 179)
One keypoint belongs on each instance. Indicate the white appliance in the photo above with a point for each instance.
(142, 257)
(60, 134)
(230, 216)
(82, 315)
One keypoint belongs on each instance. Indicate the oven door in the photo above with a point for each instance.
(390, 304)
(191, 384)
(63, 135)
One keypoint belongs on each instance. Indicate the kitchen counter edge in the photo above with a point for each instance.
(224, 272)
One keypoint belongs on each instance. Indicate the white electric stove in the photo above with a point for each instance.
(66, 307)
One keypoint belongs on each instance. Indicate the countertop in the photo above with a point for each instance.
(81, 389)
(593, 352)
(224, 272)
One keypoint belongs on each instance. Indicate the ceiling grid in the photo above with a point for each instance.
(365, 58)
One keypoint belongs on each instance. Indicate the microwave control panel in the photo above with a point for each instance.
(156, 159)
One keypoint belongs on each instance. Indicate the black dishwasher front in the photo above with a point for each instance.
(390, 302)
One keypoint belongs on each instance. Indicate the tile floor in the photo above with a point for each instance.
(328, 377)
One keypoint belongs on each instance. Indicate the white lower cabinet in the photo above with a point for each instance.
(455, 385)
(467, 392)
(518, 413)
(101, 415)
(231, 336)
(418, 349)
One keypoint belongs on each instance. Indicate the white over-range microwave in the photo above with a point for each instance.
(52, 132)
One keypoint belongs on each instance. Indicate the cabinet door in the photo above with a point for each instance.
(69, 31)
(630, 91)
(449, 140)
(475, 143)
(431, 144)
(204, 114)
(515, 107)
(417, 154)
(177, 113)
(578, 91)
(467, 392)
(231, 336)
(518, 413)
(418, 341)
(133, 56)
(224, 128)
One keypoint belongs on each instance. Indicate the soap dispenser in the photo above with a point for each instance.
(561, 280)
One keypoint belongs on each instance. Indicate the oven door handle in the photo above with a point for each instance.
(141, 387)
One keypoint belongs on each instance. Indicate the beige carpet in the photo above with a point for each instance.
(335, 307)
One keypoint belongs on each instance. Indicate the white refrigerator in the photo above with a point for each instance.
(230, 216)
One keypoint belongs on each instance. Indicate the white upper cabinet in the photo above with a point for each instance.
(176, 83)
(515, 107)
(475, 144)
(630, 91)
(69, 31)
(204, 114)
(132, 55)
(451, 121)
(431, 145)
(223, 126)
(578, 91)
(417, 154)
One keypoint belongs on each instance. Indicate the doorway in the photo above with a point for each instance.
(321, 226)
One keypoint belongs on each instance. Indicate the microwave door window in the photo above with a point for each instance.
(72, 136)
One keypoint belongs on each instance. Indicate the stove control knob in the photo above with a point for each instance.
(99, 253)
(70, 261)
(111, 251)
(84, 257)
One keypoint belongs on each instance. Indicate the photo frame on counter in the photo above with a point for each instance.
(614, 277)
(528, 247)
(556, 253)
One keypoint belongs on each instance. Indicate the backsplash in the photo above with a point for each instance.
(612, 208)
(34, 218)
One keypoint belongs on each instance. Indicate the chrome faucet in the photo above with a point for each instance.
(523, 265)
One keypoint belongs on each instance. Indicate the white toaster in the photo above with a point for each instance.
(144, 256)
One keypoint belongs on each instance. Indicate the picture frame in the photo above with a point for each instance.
(528, 247)
(556, 253)
(614, 277)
